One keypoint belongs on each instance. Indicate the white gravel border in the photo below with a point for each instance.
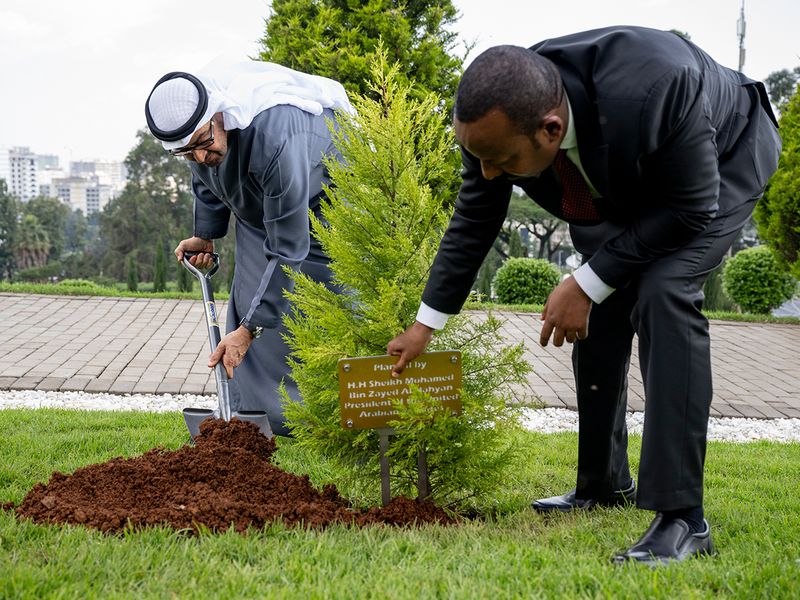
(545, 420)
(729, 429)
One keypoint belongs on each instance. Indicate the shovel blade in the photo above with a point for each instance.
(259, 417)
(194, 416)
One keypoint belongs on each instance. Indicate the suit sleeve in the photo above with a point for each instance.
(211, 216)
(284, 180)
(479, 213)
(679, 162)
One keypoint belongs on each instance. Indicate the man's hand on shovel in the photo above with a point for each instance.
(196, 244)
(231, 350)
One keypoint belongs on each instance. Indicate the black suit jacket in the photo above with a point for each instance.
(655, 117)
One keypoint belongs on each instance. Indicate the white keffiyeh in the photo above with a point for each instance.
(240, 90)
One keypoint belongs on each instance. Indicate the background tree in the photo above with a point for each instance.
(515, 249)
(778, 212)
(339, 39)
(551, 233)
(715, 296)
(88, 263)
(156, 204)
(160, 269)
(523, 213)
(52, 215)
(76, 232)
(32, 243)
(782, 85)
(8, 231)
(186, 279)
(133, 273)
(483, 282)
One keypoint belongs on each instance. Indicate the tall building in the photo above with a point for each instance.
(49, 162)
(48, 168)
(86, 194)
(97, 196)
(19, 164)
(87, 186)
(108, 172)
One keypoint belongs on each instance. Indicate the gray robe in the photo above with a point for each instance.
(271, 176)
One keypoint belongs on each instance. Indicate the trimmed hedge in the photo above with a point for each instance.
(754, 279)
(40, 274)
(525, 281)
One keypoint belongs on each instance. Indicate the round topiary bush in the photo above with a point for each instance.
(755, 281)
(525, 281)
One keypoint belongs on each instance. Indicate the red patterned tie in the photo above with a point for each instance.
(576, 198)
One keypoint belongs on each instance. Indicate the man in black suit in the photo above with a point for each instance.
(655, 155)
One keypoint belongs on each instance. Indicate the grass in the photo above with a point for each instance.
(751, 501)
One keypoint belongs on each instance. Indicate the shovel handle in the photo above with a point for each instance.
(214, 335)
(194, 270)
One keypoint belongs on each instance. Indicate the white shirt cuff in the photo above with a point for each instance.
(431, 317)
(591, 284)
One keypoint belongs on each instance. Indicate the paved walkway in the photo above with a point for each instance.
(149, 346)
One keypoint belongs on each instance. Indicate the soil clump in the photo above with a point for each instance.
(226, 480)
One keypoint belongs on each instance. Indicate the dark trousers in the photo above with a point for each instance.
(662, 306)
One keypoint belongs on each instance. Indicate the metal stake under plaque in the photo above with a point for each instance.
(423, 485)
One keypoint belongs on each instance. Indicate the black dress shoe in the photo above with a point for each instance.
(665, 541)
(569, 502)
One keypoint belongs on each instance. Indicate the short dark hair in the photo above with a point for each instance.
(516, 80)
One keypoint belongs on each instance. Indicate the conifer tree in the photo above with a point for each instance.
(133, 274)
(515, 249)
(778, 212)
(185, 279)
(160, 270)
(486, 273)
(384, 223)
(340, 40)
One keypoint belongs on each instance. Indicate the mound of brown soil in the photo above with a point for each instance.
(225, 480)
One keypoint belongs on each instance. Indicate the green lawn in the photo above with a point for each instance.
(752, 502)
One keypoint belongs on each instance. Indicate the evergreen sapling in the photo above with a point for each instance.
(386, 215)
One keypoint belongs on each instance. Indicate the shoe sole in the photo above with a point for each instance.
(654, 563)
(624, 502)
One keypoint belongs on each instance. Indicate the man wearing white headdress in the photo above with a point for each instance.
(256, 135)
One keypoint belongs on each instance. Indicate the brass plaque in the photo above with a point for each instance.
(367, 389)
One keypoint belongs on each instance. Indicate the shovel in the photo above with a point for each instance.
(195, 416)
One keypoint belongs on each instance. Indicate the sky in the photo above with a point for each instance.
(74, 75)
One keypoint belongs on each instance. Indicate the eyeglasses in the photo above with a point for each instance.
(189, 150)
